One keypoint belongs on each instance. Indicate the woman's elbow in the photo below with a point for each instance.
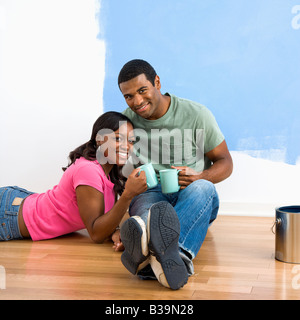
(97, 238)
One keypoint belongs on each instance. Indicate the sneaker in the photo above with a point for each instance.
(163, 232)
(134, 238)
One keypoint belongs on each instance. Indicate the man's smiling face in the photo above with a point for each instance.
(142, 97)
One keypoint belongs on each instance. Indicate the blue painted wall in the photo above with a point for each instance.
(239, 58)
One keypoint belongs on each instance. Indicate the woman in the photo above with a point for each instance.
(85, 196)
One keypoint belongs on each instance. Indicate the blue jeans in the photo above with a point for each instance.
(9, 209)
(196, 206)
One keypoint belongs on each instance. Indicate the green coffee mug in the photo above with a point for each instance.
(169, 180)
(151, 177)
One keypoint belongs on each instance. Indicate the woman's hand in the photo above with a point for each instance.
(135, 184)
(116, 239)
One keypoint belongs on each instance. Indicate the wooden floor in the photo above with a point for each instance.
(236, 261)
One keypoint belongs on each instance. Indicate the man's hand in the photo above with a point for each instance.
(220, 170)
(186, 176)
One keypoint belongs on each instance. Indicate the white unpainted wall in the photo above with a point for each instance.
(258, 186)
(51, 86)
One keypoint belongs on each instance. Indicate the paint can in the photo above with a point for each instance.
(287, 234)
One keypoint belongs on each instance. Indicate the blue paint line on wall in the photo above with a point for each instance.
(239, 58)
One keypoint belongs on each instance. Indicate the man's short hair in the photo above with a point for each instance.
(134, 68)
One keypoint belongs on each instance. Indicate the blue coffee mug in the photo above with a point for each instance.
(169, 180)
(151, 177)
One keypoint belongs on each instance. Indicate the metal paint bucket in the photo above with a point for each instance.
(287, 235)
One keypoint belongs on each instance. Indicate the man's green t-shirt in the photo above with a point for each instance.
(181, 137)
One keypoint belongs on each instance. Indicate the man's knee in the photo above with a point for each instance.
(203, 186)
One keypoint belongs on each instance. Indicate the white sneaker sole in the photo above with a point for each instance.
(135, 240)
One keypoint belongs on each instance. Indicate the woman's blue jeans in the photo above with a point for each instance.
(197, 207)
(9, 210)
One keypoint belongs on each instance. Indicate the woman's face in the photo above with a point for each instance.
(115, 147)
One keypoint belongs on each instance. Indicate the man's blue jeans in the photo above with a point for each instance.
(197, 207)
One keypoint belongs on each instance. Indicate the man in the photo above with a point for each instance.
(167, 230)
